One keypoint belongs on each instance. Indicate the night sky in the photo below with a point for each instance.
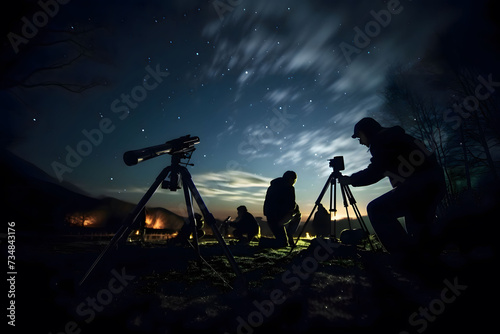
(267, 86)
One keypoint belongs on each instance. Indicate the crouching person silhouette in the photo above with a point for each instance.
(418, 186)
(186, 231)
(283, 214)
(246, 228)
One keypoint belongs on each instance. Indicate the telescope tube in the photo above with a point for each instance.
(175, 146)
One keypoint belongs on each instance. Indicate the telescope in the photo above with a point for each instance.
(180, 148)
(177, 146)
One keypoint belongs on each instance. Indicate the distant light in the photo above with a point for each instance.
(111, 178)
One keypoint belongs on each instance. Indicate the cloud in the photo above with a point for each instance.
(261, 38)
(312, 149)
(233, 186)
(272, 40)
(351, 113)
(226, 186)
(281, 95)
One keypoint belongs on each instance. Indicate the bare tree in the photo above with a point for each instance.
(52, 60)
(480, 120)
(414, 97)
(407, 100)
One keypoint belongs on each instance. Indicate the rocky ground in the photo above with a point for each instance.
(319, 287)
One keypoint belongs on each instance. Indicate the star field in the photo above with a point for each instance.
(265, 85)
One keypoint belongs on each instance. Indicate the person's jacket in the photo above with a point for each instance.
(397, 155)
(280, 199)
(246, 223)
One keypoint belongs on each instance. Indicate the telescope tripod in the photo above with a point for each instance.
(175, 170)
(347, 197)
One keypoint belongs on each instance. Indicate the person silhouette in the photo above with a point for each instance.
(245, 226)
(321, 225)
(418, 186)
(283, 214)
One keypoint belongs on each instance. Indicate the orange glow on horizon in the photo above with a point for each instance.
(154, 224)
(82, 219)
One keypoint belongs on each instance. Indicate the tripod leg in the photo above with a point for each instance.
(334, 210)
(305, 224)
(124, 230)
(358, 214)
(192, 220)
(346, 204)
(209, 218)
(318, 201)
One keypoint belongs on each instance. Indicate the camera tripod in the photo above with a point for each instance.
(174, 170)
(347, 197)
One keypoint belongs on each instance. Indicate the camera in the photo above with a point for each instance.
(337, 163)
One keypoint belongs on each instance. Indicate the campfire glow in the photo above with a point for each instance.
(82, 219)
(151, 236)
(308, 236)
(154, 222)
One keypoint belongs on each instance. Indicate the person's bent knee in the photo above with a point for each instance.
(374, 208)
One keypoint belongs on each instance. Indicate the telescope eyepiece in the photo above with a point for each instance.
(130, 158)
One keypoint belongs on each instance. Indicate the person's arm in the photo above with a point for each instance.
(370, 175)
(375, 171)
(289, 199)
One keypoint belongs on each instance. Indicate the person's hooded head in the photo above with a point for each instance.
(366, 129)
(290, 177)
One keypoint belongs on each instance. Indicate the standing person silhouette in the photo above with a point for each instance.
(283, 215)
(418, 186)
